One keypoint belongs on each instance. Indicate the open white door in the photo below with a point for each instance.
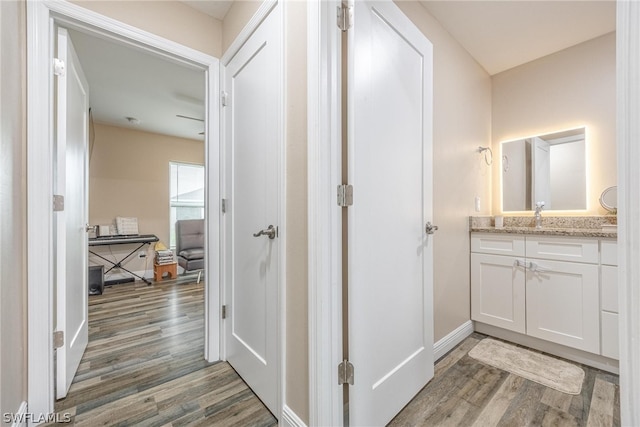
(541, 170)
(252, 116)
(390, 254)
(70, 233)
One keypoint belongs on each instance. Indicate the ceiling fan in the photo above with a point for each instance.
(191, 118)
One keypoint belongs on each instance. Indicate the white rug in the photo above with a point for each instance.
(545, 370)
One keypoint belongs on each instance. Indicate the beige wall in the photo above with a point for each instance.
(297, 344)
(169, 19)
(129, 176)
(462, 119)
(13, 278)
(237, 17)
(571, 88)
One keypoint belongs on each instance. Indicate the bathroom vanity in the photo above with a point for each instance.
(554, 289)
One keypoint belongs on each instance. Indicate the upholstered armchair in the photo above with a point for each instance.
(190, 245)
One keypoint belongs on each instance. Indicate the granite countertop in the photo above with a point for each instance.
(573, 232)
(576, 226)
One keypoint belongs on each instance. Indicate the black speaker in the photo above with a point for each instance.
(96, 279)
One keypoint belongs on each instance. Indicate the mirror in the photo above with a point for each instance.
(609, 199)
(545, 168)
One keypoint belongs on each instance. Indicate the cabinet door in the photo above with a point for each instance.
(563, 303)
(497, 291)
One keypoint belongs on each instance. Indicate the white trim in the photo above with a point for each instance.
(455, 337)
(41, 15)
(290, 418)
(628, 134)
(324, 216)
(263, 11)
(21, 416)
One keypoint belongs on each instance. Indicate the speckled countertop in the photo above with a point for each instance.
(577, 226)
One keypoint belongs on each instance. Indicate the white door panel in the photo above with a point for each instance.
(71, 170)
(252, 121)
(390, 256)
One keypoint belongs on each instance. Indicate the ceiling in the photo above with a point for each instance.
(125, 81)
(215, 8)
(503, 34)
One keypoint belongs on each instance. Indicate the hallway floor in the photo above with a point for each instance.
(465, 392)
(145, 366)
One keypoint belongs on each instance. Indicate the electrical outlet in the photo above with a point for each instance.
(477, 203)
(142, 254)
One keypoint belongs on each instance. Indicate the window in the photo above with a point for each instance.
(186, 195)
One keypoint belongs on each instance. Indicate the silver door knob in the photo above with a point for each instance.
(430, 228)
(270, 232)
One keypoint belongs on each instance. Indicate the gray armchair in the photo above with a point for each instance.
(190, 244)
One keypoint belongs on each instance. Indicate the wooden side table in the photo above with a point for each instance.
(159, 270)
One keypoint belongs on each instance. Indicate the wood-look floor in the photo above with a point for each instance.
(145, 366)
(465, 392)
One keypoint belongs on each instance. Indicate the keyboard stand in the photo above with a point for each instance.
(145, 239)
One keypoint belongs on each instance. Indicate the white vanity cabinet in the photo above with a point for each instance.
(497, 282)
(546, 287)
(609, 298)
(563, 299)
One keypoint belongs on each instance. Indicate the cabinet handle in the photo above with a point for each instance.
(519, 263)
(535, 268)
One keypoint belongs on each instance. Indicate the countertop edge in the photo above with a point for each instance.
(576, 232)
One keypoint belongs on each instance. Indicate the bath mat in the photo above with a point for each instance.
(545, 370)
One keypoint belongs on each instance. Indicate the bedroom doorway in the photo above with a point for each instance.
(40, 131)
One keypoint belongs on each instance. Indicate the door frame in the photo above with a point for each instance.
(267, 7)
(41, 18)
(324, 174)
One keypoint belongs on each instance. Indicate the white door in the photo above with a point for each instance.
(541, 169)
(390, 257)
(72, 110)
(252, 80)
(498, 291)
(563, 303)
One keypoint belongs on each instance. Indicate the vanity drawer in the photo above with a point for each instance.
(563, 249)
(609, 252)
(489, 243)
(609, 289)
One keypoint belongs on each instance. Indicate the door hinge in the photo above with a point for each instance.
(224, 311)
(58, 67)
(58, 339)
(223, 205)
(345, 195)
(58, 203)
(224, 98)
(345, 16)
(345, 373)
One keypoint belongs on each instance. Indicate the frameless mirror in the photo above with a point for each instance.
(545, 168)
(609, 199)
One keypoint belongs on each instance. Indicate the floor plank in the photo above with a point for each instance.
(144, 364)
(465, 392)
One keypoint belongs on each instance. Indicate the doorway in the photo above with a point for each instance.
(40, 192)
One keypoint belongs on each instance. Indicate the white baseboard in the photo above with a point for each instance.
(21, 416)
(290, 418)
(454, 338)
